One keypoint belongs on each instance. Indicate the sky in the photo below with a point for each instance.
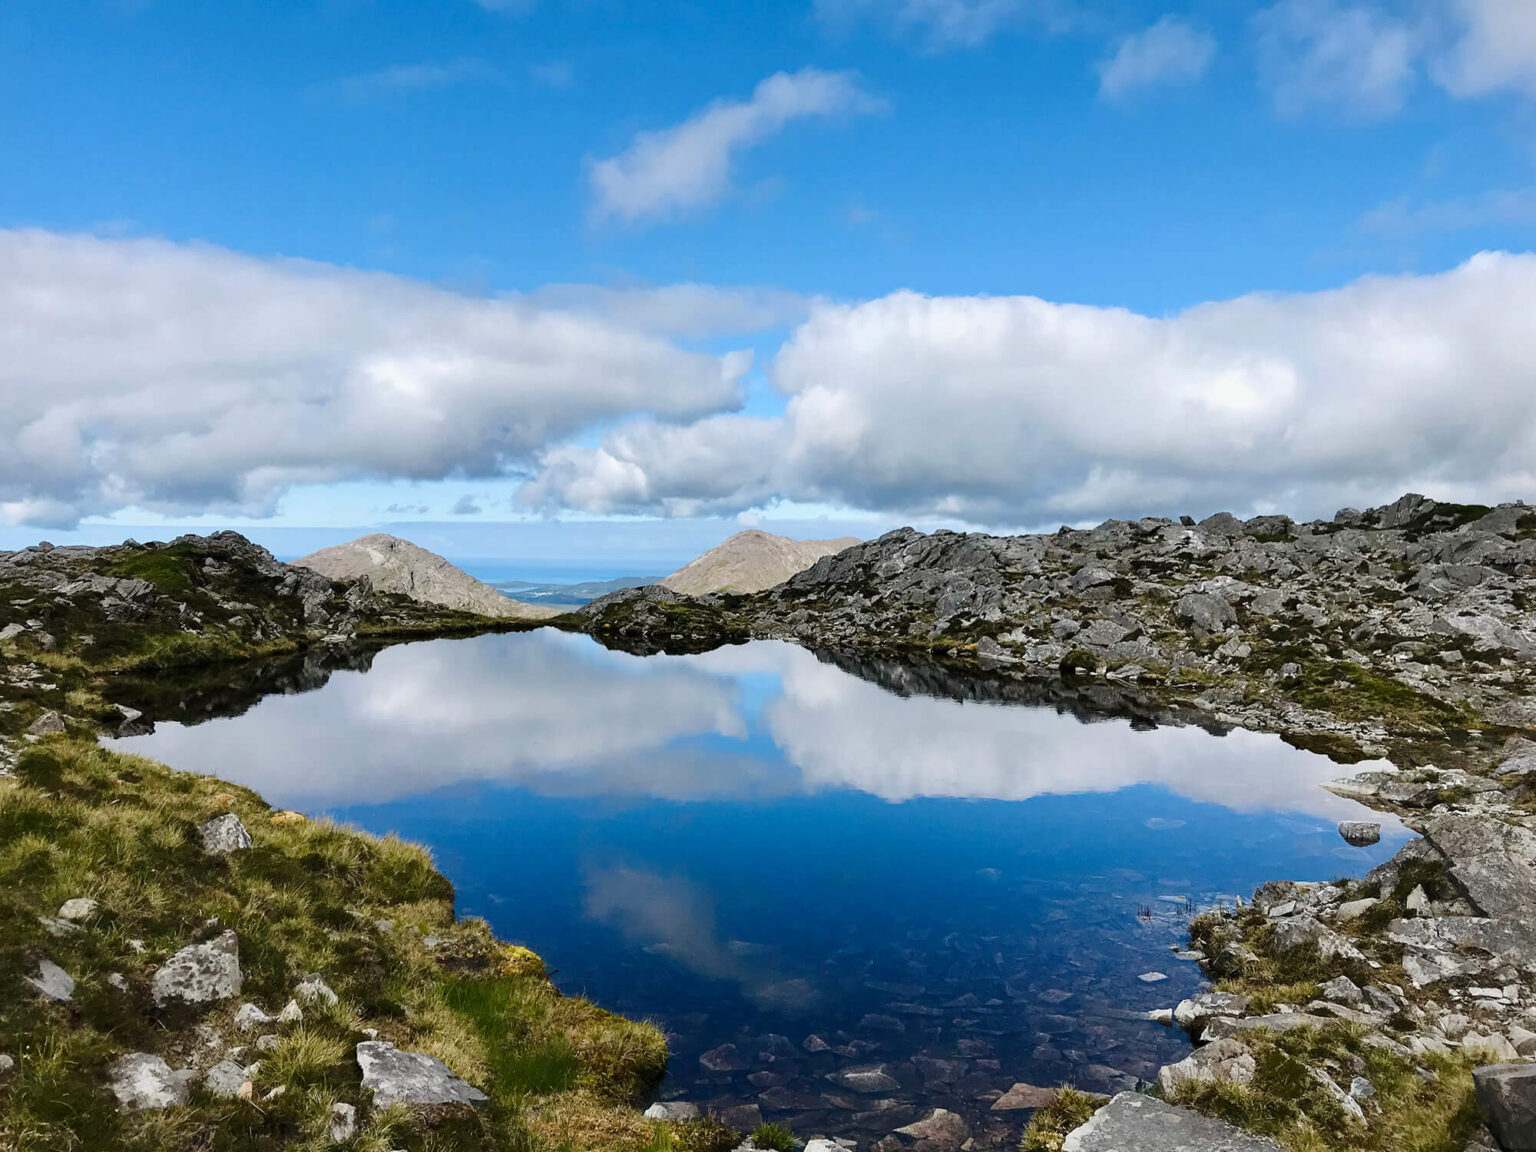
(537, 278)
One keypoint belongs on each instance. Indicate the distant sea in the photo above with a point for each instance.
(546, 571)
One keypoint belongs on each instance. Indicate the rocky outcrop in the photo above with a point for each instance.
(751, 561)
(1135, 1123)
(391, 564)
(1506, 1095)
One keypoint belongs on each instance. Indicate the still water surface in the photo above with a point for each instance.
(798, 865)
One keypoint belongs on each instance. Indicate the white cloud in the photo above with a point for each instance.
(1495, 48)
(1169, 52)
(1015, 410)
(189, 378)
(1325, 54)
(406, 78)
(675, 170)
(942, 24)
(1500, 206)
(685, 311)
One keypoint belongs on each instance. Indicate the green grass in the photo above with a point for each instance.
(1285, 1102)
(77, 820)
(1049, 1126)
(775, 1138)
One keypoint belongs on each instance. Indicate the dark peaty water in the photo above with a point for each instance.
(797, 864)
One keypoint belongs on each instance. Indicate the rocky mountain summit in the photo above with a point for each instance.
(391, 564)
(751, 561)
(1411, 619)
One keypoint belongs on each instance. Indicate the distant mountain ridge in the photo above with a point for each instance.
(396, 565)
(751, 561)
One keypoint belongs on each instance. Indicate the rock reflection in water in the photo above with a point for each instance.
(851, 890)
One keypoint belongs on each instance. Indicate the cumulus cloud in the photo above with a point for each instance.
(1494, 50)
(686, 167)
(685, 311)
(942, 24)
(1325, 54)
(1169, 52)
(1016, 410)
(187, 378)
(1363, 57)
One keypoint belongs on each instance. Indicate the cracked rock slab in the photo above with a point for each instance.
(396, 1077)
(1135, 1123)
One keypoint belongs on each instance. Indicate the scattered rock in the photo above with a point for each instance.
(1354, 909)
(52, 982)
(200, 973)
(1022, 1097)
(343, 1124)
(291, 1014)
(224, 834)
(1135, 1123)
(224, 1079)
(78, 909)
(396, 1077)
(48, 724)
(249, 1018)
(869, 1079)
(1506, 1095)
(672, 1110)
(7, 1064)
(941, 1131)
(1342, 990)
(143, 1081)
(1360, 833)
(314, 988)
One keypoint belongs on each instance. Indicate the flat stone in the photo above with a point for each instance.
(870, 1079)
(1354, 909)
(1506, 1096)
(224, 834)
(1360, 833)
(1135, 1123)
(726, 1058)
(52, 982)
(397, 1077)
(224, 1079)
(200, 973)
(78, 909)
(941, 1130)
(1023, 1097)
(141, 1081)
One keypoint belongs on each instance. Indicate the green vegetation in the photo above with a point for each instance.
(1288, 1102)
(774, 1138)
(76, 820)
(1049, 1126)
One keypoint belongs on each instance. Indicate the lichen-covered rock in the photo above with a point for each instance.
(48, 724)
(142, 1081)
(1360, 833)
(313, 989)
(78, 909)
(224, 834)
(224, 1079)
(248, 1018)
(343, 1125)
(1225, 1060)
(396, 1077)
(1135, 1123)
(200, 973)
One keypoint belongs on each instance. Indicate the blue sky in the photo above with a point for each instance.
(800, 164)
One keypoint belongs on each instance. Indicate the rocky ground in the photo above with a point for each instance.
(183, 968)
(1344, 1015)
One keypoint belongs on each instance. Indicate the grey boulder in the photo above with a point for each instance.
(396, 1077)
(1135, 1123)
(224, 1079)
(1360, 833)
(48, 724)
(224, 834)
(142, 1081)
(1506, 1095)
(200, 973)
